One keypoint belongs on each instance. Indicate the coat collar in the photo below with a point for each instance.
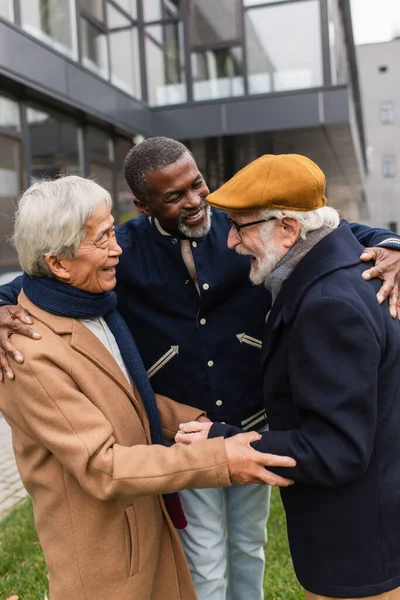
(83, 341)
(338, 250)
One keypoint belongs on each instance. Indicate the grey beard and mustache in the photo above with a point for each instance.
(266, 263)
(195, 232)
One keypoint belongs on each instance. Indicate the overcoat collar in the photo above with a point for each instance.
(338, 250)
(83, 341)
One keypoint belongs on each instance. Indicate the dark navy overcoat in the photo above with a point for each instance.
(331, 384)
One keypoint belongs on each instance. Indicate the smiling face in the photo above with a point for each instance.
(263, 242)
(177, 198)
(93, 268)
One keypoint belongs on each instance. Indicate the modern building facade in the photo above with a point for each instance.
(379, 81)
(81, 80)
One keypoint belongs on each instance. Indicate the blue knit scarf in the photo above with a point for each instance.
(62, 299)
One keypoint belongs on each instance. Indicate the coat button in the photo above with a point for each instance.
(219, 403)
(206, 286)
(187, 281)
(203, 321)
(210, 363)
(194, 244)
(174, 240)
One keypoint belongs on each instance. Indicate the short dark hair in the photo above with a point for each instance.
(152, 154)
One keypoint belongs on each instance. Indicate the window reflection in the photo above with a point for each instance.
(7, 9)
(214, 22)
(165, 71)
(129, 6)
(54, 143)
(217, 73)
(52, 21)
(126, 208)
(94, 8)
(156, 10)
(94, 48)
(124, 52)
(11, 170)
(9, 115)
(284, 47)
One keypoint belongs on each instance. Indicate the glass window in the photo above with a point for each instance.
(389, 165)
(11, 170)
(9, 115)
(10, 188)
(165, 64)
(214, 22)
(126, 208)
(7, 9)
(52, 21)
(94, 48)
(217, 73)
(55, 145)
(124, 52)
(387, 112)
(129, 6)
(95, 8)
(256, 2)
(156, 10)
(284, 47)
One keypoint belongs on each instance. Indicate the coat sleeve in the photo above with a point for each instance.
(80, 436)
(173, 413)
(9, 292)
(333, 362)
(369, 237)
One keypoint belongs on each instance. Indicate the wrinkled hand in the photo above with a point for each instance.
(387, 268)
(12, 319)
(195, 431)
(246, 465)
(203, 419)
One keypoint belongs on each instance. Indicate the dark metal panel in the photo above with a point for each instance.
(30, 61)
(336, 106)
(272, 114)
(251, 115)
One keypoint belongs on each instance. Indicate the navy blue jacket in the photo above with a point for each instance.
(331, 382)
(160, 303)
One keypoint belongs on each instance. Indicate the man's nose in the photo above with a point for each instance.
(233, 238)
(192, 199)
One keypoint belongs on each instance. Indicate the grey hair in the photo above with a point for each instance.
(309, 220)
(51, 219)
(152, 154)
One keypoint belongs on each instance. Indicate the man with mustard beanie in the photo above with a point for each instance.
(331, 380)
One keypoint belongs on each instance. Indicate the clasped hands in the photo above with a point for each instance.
(245, 464)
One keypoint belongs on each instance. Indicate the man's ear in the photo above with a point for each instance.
(290, 231)
(142, 206)
(59, 267)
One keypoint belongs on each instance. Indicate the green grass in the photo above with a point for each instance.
(23, 571)
(22, 568)
(280, 582)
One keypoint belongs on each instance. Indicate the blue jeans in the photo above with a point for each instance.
(224, 540)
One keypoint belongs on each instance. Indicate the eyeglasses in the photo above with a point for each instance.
(243, 225)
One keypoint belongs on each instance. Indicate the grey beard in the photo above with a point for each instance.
(197, 232)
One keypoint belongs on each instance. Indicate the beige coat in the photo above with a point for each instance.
(81, 440)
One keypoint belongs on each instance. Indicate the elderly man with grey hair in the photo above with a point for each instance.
(88, 431)
(331, 380)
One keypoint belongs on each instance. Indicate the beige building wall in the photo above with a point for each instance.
(379, 72)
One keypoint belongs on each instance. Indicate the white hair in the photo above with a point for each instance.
(51, 219)
(308, 220)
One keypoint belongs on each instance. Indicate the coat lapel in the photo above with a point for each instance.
(86, 343)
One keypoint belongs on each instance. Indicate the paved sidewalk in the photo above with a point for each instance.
(11, 489)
